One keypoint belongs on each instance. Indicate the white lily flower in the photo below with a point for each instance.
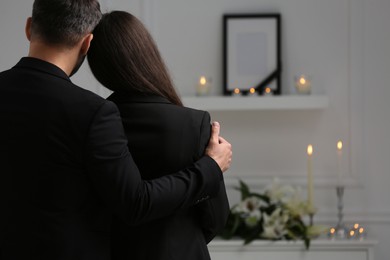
(287, 205)
(253, 218)
(248, 205)
(278, 192)
(295, 204)
(270, 233)
(275, 224)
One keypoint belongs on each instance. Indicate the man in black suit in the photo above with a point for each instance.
(65, 165)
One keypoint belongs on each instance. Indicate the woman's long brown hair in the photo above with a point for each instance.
(124, 58)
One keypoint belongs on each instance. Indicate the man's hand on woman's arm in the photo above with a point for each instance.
(219, 149)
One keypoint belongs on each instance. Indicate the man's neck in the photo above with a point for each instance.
(62, 57)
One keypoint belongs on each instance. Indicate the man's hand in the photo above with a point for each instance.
(219, 149)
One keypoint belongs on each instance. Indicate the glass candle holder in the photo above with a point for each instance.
(361, 233)
(332, 233)
(203, 87)
(352, 234)
(303, 84)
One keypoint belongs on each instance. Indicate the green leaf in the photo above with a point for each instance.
(260, 196)
(291, 235)
(236, 224)
(307, 243)
(248, 240)
(244, 189)
(252, 235)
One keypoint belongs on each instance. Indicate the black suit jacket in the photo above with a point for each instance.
(167, 137)
(65, 167)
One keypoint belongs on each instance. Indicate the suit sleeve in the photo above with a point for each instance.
(117, 180)
(214, 212)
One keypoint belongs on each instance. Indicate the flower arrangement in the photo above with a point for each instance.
(275, 214)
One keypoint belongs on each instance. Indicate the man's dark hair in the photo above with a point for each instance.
(64, 22)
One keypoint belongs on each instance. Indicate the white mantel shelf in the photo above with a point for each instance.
(282, 250)
(267, 245)
(245, 103)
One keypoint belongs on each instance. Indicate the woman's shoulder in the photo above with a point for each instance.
(196, 112)
(157, 103)
(197, 116)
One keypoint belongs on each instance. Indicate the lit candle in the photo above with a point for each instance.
(203, 87)
(332, 233)
(252, 92)
(310, 178)
(303, 84)
(267, 91)
(356, 226)
(236, 92)
(339, 162)
(361, 233)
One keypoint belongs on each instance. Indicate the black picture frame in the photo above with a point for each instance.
(252, 53)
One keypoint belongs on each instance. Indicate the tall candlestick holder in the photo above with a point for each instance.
(311, 219)
(311, 210)
(341, 231)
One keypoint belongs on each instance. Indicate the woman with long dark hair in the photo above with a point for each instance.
(163, 137)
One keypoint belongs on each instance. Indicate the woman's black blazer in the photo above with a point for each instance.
(164, 138)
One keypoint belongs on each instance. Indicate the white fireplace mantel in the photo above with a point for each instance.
(276, 103)
(292, 250)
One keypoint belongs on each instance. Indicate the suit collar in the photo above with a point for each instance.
(121, 97)
(42, 66)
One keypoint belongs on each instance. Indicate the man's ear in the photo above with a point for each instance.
(86, 44)
(28, 28)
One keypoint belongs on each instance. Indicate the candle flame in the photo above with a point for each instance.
(252, 90)
(267, 90)
(302, 80)
(237, 91)
(339, 145)
(309, 149)
(202, 80)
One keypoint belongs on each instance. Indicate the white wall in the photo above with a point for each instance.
(376, 119)
(314, 43)
(13, 43)
(342, 44)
